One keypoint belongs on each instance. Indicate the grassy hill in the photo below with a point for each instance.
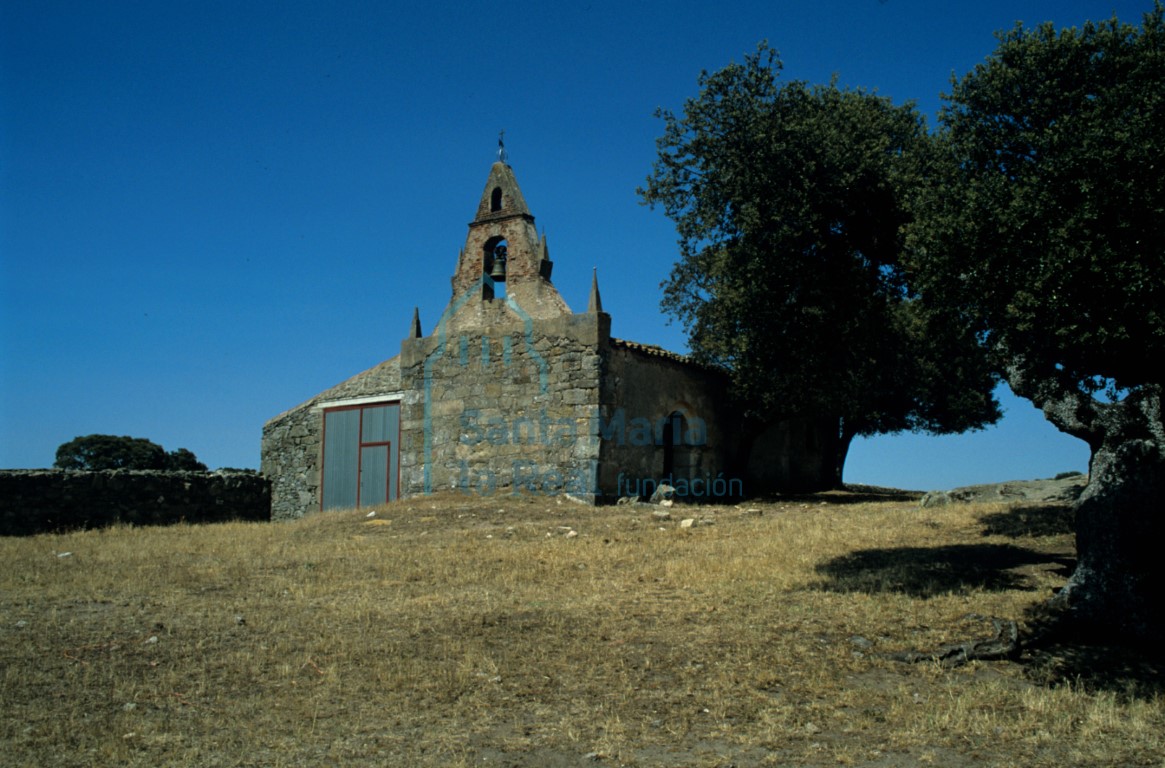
(518, 631)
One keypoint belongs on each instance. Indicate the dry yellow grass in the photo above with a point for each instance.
(452, 631)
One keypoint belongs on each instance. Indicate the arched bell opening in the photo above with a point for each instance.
(494, 261)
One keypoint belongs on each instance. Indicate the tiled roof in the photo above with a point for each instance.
(654, 351)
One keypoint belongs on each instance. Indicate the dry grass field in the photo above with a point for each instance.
(516, 631)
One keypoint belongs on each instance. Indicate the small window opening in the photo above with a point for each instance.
(495, 200)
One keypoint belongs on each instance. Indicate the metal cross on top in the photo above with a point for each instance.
(502, 146)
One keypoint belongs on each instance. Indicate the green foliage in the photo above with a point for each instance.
(790, 202)
(97, 452)
(183, 460)
(1045, 226)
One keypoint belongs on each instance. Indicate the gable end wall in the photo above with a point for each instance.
(504, 409)
(292, 447)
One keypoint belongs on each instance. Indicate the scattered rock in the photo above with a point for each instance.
(661, 514)
(151, 639)
(1066, 488)
(687, 522)
(64, 554)
(663, 492)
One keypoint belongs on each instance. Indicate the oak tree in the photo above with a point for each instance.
(790, 201)
(1043, 232)
(99, 452)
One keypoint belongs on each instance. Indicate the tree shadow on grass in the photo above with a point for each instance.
(1053, 652)
(1058, 652)
(929, 571)
(1028, 520)
(1128, 672)
(849, 494)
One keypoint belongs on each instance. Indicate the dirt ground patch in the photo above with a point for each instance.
(528, 631)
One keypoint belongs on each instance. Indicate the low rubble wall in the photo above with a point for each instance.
(46, 500)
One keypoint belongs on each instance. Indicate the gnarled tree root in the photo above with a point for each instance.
(1004, 644)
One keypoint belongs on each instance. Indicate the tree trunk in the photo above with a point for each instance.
(1116, 588)
(795, 455)
(845, 440)
(822, 467)
(1119, 580)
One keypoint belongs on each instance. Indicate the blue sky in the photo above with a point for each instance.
(211, 211)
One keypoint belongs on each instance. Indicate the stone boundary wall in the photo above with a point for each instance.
(47, 500)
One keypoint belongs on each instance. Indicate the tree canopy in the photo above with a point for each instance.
(97, 452)
(1046, 224)
(790, 202)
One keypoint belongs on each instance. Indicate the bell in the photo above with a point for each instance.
(498, 273)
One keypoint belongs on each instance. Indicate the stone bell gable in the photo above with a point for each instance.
(503, 271)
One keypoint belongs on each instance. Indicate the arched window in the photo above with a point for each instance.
(680, 459)
(495, 200)
(672, 437)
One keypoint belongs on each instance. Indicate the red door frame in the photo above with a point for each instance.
(360, 446)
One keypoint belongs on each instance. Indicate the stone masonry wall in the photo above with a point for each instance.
(290, 457)
(292, 441)
(46, 500)
(510, 408)
(642, 386)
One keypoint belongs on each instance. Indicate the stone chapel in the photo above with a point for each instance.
(511, 392)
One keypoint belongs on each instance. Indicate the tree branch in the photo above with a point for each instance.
(1069, 409)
